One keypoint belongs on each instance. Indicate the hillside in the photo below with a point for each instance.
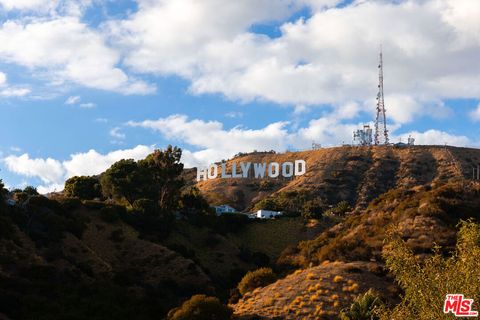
(315, 293)
(130, 257)
(422, 216)
(355, 174)
(93, 253)
(58, 261)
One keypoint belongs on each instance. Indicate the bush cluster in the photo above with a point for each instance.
(201, 307)
(294, 203)
(255, 279)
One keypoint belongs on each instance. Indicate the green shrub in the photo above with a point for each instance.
(192, 201)
(293, 203)
(85, 188)
(31, 191)
(201, 307)
(313, 208)
(363, 308)
(255, 279)
(427, 282)
(339, 210)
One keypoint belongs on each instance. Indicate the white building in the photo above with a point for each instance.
(266, 214)
(224, 208)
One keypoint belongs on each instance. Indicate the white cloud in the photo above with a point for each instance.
(66, 50)
(88, 105)
(26, 4)
(430, 46)
(299, 109)
(430, 50)
(234, 114)
(48, 170)
(53, 172)
(73, 100)
(46, 7)
(92, 162)
(475, 114)
(54, 187)
(216, 143)
(436, 137)
(115, 133)
(14, 92)
(8, 91)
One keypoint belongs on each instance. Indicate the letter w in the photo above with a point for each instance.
(259, 169)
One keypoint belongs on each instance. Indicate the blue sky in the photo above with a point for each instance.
(84, 83)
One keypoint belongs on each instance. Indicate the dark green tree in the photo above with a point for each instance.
(31, 191)
(313, 208)
(192, 201)
(125, 179)
(164, 169)
(3, 191)
(267, 204)
(85, 188)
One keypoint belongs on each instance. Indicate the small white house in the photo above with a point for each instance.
(267, 214)
(224, 208)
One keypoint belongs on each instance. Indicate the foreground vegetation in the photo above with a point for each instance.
(427, 282)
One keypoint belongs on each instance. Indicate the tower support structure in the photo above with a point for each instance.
(381, 132)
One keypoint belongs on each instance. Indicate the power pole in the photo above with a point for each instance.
(381, 119)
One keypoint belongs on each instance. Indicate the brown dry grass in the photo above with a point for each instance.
(340, 173)
(314, 293)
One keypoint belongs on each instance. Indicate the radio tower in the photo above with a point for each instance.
(380, 120)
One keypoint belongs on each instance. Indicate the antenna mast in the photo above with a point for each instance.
(380, 120)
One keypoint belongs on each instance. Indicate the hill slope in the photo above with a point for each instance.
(355, 174)
(314, 293)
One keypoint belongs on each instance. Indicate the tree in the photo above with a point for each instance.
(192, 201)
(313, 208)
(255, 279)
(31, 191)
(164, 169)
(201, 307)
(3, 191)
(124, 180)
(426, 282)
(85, 188)
(267, 204)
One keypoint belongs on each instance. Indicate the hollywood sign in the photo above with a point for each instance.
(253, 170)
